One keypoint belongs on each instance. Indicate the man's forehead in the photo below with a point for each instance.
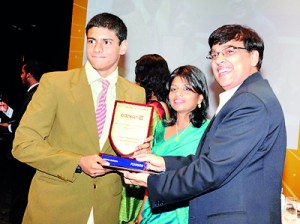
(227, 44)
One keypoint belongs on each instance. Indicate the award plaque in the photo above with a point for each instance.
(130, 126)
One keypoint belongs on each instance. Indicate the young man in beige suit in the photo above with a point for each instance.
(58, 134)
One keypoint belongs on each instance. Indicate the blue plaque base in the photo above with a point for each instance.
(117, 162)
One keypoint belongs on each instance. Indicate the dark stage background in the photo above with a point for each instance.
(33, 29)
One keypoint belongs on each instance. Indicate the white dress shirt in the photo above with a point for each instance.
(224, 97)
(95, 80)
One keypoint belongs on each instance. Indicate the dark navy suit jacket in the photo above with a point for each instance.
(23, 108)
(18, 116)
(236, 175)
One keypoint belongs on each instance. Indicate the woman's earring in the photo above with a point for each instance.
(199, 105)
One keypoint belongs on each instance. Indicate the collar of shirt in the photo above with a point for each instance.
(94, 80)
(93, 75)
(32, 87)
(224, 97)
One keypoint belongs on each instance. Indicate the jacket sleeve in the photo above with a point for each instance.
(232, 141)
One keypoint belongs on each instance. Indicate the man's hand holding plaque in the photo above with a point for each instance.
(130, 126)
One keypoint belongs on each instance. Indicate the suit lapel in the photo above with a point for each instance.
(29, 95)
(121, 90)
(83, 99)
(27, 99)
(204, 135)
(83, 102)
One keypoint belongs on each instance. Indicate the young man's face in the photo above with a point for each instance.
(231, 70)
(103, 50)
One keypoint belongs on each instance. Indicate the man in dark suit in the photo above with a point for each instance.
(236, 175)
(32, 70)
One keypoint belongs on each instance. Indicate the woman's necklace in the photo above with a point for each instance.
(177, 138)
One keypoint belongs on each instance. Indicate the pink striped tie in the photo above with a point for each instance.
(101, 109)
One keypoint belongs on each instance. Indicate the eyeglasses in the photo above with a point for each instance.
(226, 52)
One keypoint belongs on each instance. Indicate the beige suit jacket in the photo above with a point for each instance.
(57, 129)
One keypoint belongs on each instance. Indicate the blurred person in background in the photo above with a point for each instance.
(31, 73)
(151, 73)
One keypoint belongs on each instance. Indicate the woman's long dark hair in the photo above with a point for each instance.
(195, 77)
(152, 73)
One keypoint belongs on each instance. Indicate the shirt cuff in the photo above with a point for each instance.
(9, 112)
